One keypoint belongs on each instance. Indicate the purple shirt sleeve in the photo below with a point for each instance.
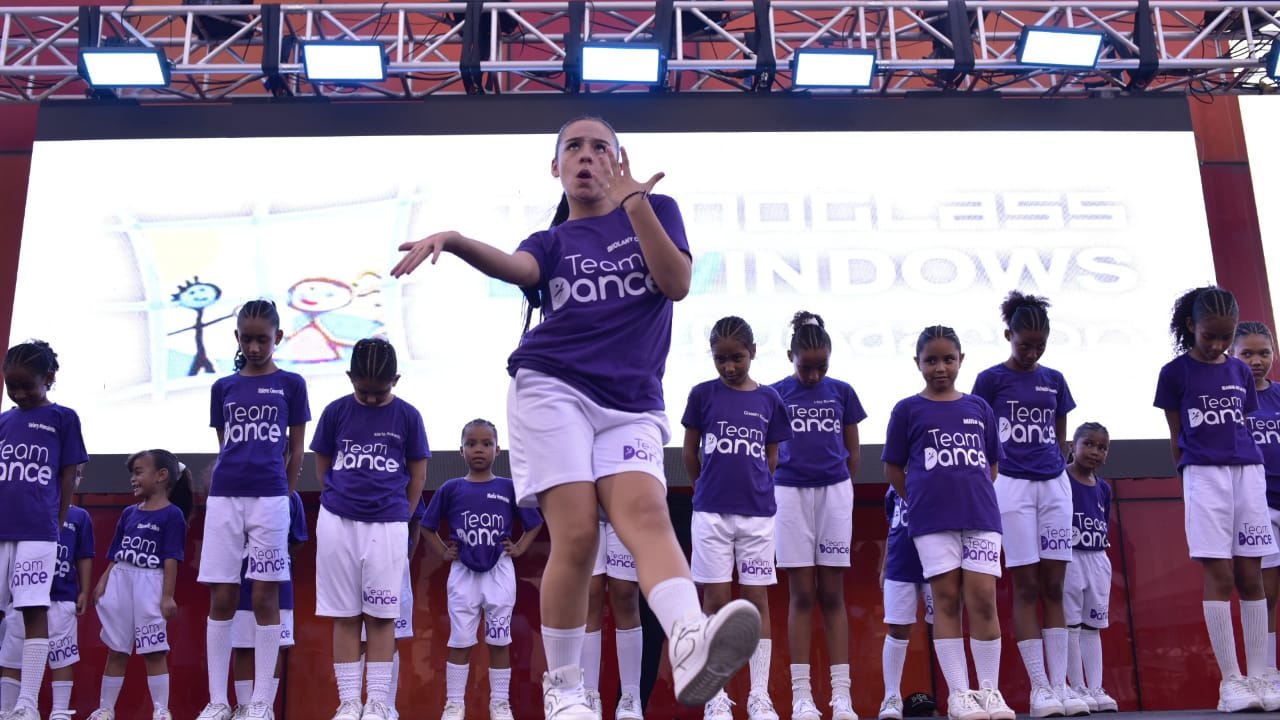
(175, 535)
(1169, 388)
(416, 447)
(896, 441)
(299, 407)
(779, 423)
(322, 442)
(216, 418)
(118, 536)
(438, 507)
(530, 518)
(853, 411)
(84, 538)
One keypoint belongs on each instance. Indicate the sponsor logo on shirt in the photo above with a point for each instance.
(42, 426)
(1054, 538)
(381, 596)
(29, 573)
(814, 419)
(596, 280)
(643, 450)
(365, 456)
(387, 433)
(496, 496)
(150, 636)
(1255, 535)
(1216, 411)
(149, 526)
(981, 550)
(1046, 389)
(756, 567)
(734, 440)
(27, 462)
(1028, 425)
(955, 449)
(271, 391)
(481, 529)
(1266, 431)
(624, 241)
(1089, 532)
(1235, 388)
(251, 423)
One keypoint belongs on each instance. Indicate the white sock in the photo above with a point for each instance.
(630, 658)
(800, 687)
(760, 666)
(244, 691)
(563, 646)
(110, 691)
(499, 684)
(673, 601)
(349, 681)
(159, 687)
(1055, 655)
(378, 681)
(62, 694)
(986, 661)
(1091, 656)
(8, 693)
(275, 688)
(455, 682)
(954, 664)
(266, 653)
(1222, 636)
(590, 660)
(217, 637)
(395, 679)
(892, 659)
(1075, 669)
(1033, 658)
(35, 655)
(840, 682)
(1271, 651)
(1253, 623)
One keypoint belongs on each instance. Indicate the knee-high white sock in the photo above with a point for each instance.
(499, 684)
(630, 658)
(1091, 656)
(986, 661)
(1222, 636)
(455, 682)
(673, 601)
(1033, 659)
(760, 665)
(563, 646)
(1055, 655)
(62, 694)
(9, 693)
(800, 687)
(840, 682)
(35, 655)
(954, 664)
(1271, 650)
(590, 660)
(1253, 622)
(1075, 668)
(378, 681)
(217, 637)
(159, 687)
(266, 652)
(244, 691)
(349, 681)
(395, 678)
(892, 659)
(110, 691)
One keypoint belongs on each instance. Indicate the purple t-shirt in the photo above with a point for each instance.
(297, 534)
(254, 413)
(479, 515)
(736, 425)
(75, 542)
(146, 538)
(35, 445)
(901, 560)
(1027, 406)
(1091, 515)
(371, 448)
(607, 326)
(947, 449)
(1264, 424)
(815, 455)
(1213, 400)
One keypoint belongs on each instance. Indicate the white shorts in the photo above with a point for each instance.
(404, 623)
(814, 525)
(1225, 511)
(64, 645)
(613, 558)
(1273, 560)
(724, 542)
(244, 629)
(471, 592)
(1036, 515)
(559, 435)
(130, 611)
(971, 550)
(30, 567)
(1086, 592)
(239, 527)
(359, 566)
(900, 602)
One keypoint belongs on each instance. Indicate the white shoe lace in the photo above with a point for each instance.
(804, 708)
(719, 705)
(346, 709)
(453, 711)
(759, 704)
(891, 703)
(500, 710)
(628, 706)
(213, 711)
(842, 706)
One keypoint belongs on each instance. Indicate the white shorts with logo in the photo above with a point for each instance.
(360, 566)
(559, 435)
(723, 543)
(130, 611)
(29, 566)
(239, 527)
(969, 550)
(404, 623)
(471, 593)
(1273, 560)
(900, 602)
(1225, 511)
(1086, 592)
(64, 642)
(1036, 515)
(613, 558)
(244, 629)
(814, 525)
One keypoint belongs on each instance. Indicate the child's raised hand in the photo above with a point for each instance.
(618, 182)
(428, 247)
(168, 608)
(450, 552)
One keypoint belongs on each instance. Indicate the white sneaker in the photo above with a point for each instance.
(160, 713)
(1105, 702)
(500, 710)
(260, 711)
(891, 708)
(842, 707)
(452, 711)
(804, 709)
(705, 653)
(212, 711)
(1045, 702)
(1236, 695)
(349, 710)
(1084, 695)
(563, 697)
(57, 715)
(719, 707)
(1072, 704)
(595, 703)
(99, 714)
(628, 708)
(376, 711)
(1265, 688)
(242, 711)
(993, 702)
(964, 705)
(760, 707)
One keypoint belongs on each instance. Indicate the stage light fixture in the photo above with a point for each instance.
(341, 61)
(631, 63)
(1058, 47)
(1273, 59)
(822, 68)
(124, 67)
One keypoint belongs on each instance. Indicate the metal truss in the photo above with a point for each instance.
(217, 51)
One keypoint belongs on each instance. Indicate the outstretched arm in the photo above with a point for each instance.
(518, 268)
